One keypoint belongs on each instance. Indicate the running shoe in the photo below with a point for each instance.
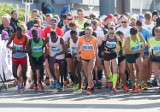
(110, 86)
(51, 85)
(76, 87)
(58, 85)
(47, 82)
(118, 86)
(31, 86)
(71, 83)
(41, 86)
(133, 88)
(139, 89)
(99, 84)
(36, 88)
(125, 88)
(149, 84)
(114, 90)
(107, 84)
(92, 86)
(20, 86)
(65, 83)
(88, 91)
(145, 87)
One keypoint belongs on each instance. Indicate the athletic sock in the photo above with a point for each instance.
(114, 80)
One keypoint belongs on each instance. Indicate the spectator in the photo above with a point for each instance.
(44, 8)
(14, 20)
(5, 27)
(35, 13)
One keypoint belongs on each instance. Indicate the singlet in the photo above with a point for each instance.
(73, 47)
(110, 43)
(56, 48)
(19, 44)
(81, 26)
(87, 48)
(155, 45)
(134, 46)
(37, 48)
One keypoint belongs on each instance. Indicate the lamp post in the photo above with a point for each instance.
(27, 9)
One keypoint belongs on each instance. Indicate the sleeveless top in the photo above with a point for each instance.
(19, 44)
(56, 48)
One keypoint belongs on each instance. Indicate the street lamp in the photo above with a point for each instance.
(27, 8)
(91, 5)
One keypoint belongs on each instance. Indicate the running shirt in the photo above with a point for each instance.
(149, 27)
(67, 35)
(81, 26)
(37, 48)
(99, 32)
(146, 35)
(87, 48)
(126, 31)
(55, 48)
(73, 47)
(110, 43)
(134, 46)
(154, 44)
(20, 45)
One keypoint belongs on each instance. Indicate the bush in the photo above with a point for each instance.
(7, 8)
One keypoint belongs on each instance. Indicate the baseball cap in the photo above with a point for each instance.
(53, 21)
(110, 16)
(133, 17)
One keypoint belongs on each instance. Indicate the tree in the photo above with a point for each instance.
(7, 8)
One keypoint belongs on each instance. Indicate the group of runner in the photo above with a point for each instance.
(79, 51)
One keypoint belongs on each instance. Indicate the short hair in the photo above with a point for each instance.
(94, 22)
(119, 33)
(49, 15)
(80, 10)
(69, 14)
(53, 33)
(133, 31)
(73, 32)
(139, 23)
(13, 11)
(157, 29)
(72, 24)
(35, 10)
(86, 24)
(34, 31)
(64, 16)
(89, 28)
(148, 15)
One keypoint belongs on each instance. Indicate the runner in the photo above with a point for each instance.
(74, 67)
(122, 59)
(19, 51)
(88, 48)
(146, 58)
(134, 47)
(110, 57)
(56, 59)
(155, 54)
(36, 55)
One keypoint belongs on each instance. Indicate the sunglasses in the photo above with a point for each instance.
(36, 26)
(70, 19)
(124, 22)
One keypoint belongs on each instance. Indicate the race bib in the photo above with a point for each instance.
(87, 47)
(37, 49)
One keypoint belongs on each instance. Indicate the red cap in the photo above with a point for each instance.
(110, 16)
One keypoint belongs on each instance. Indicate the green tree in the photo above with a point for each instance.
(7, 8)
